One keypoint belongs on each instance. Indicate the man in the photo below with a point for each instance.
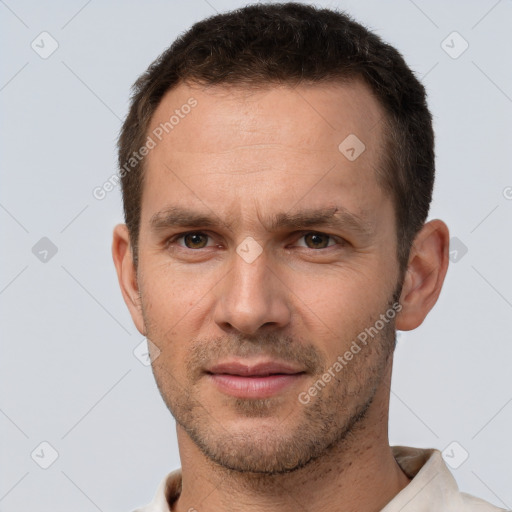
(277, 168)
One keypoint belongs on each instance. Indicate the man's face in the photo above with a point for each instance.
(249, 288)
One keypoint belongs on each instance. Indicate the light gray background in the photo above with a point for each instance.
(68, 372)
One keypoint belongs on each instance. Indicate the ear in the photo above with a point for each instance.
(127, 275)
(426, 270)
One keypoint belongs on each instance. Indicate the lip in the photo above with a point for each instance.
(262, 369)
(261, 380)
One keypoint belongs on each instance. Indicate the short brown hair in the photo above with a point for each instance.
(291, 43)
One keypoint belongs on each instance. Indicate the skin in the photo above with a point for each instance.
(242, 156)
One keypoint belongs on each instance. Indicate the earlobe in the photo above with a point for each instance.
(126, 274)
(424, 278)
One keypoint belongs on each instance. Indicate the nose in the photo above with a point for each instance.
(252, 295)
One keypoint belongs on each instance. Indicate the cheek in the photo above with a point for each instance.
(168, 298)
(170, 285)
(342, 294)
(334, 309)
(166, 308)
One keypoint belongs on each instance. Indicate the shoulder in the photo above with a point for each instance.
(167, 492)
(471, 503)
(432, 485)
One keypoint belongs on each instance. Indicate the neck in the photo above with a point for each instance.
(357, 474)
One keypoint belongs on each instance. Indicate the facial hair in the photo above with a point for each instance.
(308, 432)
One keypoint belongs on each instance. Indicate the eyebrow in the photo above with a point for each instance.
(335, 217)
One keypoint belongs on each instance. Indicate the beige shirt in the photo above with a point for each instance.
(432, 488)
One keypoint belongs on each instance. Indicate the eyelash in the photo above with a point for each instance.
(341, 241)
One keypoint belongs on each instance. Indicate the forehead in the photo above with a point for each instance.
(226, 115)
(228, 147)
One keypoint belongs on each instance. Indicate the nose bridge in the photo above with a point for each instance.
(251, 295)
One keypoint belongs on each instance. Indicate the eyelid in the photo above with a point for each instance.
(297, 235)
(183, 234)
(340, 240)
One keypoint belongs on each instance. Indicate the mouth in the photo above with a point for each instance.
(261, 380)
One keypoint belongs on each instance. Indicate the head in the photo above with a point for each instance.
(277, 168)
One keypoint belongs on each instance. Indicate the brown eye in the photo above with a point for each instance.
(195, 240)
(191, 240)
(315, 240)
(318, 241)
